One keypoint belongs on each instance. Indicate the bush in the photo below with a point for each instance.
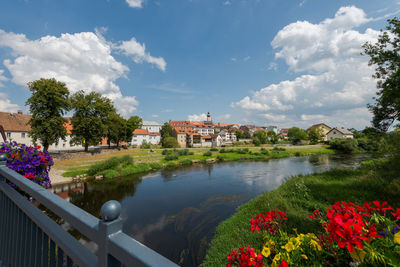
(214, 149)
(170, 142)
(222, 150)
(155, 165)
(172, 156)
(110, 173)
(264, 151)
(183, 152)
(126, 160)
(108, 164)
(145, 145)
(165, 152)
(345, 145)
(220, 158)
(186, 162)
(207, 154)
(171, 165)
(276, 148)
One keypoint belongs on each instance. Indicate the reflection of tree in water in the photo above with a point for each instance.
(97, 193)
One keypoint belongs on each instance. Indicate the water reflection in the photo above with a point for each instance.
(175, 212)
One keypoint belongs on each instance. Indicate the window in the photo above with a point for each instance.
(8, 135)
(22, 135)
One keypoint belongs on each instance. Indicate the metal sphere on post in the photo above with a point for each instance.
(3, 159)
(110, 210)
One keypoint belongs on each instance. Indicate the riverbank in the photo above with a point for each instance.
(299, 196)
(145, 160)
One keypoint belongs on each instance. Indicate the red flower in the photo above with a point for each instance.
(381, 207)
(314, 214)
(396, 214)
(29, 175)
(244, 257)
(269, 222)
(283, 263)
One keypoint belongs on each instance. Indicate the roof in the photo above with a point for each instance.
(150, 123)
(140, 132)
(206, 137)
(342, 130)
(319, 124)
(15, 122)
(154, 133)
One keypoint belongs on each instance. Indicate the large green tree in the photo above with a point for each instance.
(272, 137)
(296, 134)
(133, 123)
(385, 56)
(89, 121)
(116, 129)
(260, 137)
(48, 104)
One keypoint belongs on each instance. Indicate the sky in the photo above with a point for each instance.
(264, 62)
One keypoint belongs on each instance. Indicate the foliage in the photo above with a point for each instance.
(170, 142)
(315, 136)
(171, 156)
(296, 135)
(272, 137)
(345, 145)
(28, 161)
(145, 145)
(385, 55)
(133, 123)
(167, 131)
(277, 148)
(207, 154)
(48, 103)
(214, 149)
(260, 137)
(349, 233)
(239, 134)
(90, 117)
(116, 128)
(108, 164)
(186, 162)
(246, 135)
(264, 151)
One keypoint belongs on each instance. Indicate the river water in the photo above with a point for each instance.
(176, 212)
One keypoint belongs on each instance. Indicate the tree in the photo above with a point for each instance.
(239, 134)
(48, 103)
(260, 137)
(272, 137)
(116, 128)
(170, 142)
(314, 135)
(385, 55)
(296, 134)
(133, 123)
(90, 118)
(246, 135)
(167, 131)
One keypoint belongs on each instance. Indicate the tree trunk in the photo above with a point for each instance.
(86, 147)
(45, 146)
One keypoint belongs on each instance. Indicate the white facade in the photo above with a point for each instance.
(204, 130)
(151, 126)
(228, 136)
(339, 133)
(151, 138)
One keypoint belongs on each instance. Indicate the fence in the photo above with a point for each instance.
(28, 237)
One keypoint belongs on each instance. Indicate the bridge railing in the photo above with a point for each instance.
(28, 237)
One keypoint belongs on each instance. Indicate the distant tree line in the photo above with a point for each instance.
(94, 116)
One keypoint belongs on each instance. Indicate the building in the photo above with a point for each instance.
(181, 137)
(16, 128)
(272, 128)
(339, 133)
(143, 135)
(322, 128)
(151, 126)
(283, 133)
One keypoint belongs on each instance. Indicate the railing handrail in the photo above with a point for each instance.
(106, 233)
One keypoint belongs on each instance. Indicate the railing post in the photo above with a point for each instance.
(110, 224)
(3, 161)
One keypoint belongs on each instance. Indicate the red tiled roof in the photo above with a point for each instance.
(140, 132)
(154, 133)
(15, 122)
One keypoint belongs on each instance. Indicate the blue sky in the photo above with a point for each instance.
(269, 62)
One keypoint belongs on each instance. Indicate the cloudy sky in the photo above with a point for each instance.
(264, 62)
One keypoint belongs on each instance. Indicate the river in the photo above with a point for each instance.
(176, 212)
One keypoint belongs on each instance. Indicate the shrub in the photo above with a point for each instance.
(276, 148)
(126, 160)
(155, 165)
(345, 145)
(183, 152)
(264, 151)
(207, 154)
(110, 173)
(186, 162)
(171, 165)
(170, 142)
(145, 145)
(220, 158)
(172, 156)
(214, 149)
(108, 164)
(28, 161)
(165, 152)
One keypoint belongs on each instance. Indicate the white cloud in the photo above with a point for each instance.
(227, 3)
(154, 116)
(2, 78)
(200, 117)
(224, 117)
(233, 59)
(6, 105)
(135, 3)
(334, 78)
(167, 110)
(84, 61)
(246, 58)
(139, 54)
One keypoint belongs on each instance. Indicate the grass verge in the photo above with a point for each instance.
(299, 196)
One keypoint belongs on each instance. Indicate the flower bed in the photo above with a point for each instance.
(350, 234)
(28, 161)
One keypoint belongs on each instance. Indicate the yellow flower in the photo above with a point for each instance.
(289, 246)
(358, 255)
(397, 237)
(266, 252)
(315, 245)
(277, 258)
(304, 256)
(270, 244)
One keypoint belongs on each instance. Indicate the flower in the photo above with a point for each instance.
(283, 263)
(244, 257)
(397, 238)
(358, 255)
(266, 251)
(396, 214)
(315, 214)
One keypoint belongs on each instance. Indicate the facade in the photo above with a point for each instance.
(16, 128)
(322, 128)
(151, 126)
(283, 133)
(273, 128)
(142, 135)
(204, 129)
(181, 138)
(339, 133)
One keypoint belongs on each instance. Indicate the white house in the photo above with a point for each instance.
(151, 126)
(204, 129)
(142, 135)
(339, 133)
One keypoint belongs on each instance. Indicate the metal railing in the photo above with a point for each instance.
(28, 237)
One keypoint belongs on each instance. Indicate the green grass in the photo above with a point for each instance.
(299, 196)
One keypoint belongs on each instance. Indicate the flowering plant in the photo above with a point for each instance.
(367, 234)
(28, 161)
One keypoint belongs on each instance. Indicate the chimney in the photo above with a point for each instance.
(20, 112)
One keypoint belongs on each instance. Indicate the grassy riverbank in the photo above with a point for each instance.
(144, 160)
(299, 196)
